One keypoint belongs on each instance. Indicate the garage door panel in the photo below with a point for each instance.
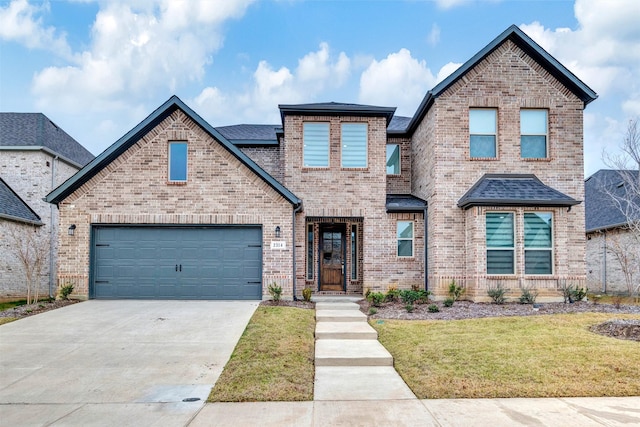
(213, 262)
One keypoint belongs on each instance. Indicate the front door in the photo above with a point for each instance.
(332, 257)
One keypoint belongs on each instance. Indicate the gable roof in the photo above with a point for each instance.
(247, 134)
(13, 208)
(336, 109)
(601, 212)
(513, 190)
(120, 146)
(34, 131)
(531, 48)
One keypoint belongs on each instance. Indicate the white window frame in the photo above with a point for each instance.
(343, 144)
(546, 134)
(412, 239)
(494, 134)
(550, 249)
(399, 159)
(488, 248)
(186, 161)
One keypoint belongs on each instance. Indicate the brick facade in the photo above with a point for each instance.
(32, 175)
(604, 267)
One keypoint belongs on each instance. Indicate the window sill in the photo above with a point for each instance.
(177, 183)
(483, 159)
(536, 159)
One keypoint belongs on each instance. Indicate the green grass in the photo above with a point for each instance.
(7, 305)
(533, 356)
(273, 361)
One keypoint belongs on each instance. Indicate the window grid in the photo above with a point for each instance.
(405, 239)
(483, 133)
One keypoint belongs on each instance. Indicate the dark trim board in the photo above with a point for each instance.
(154, 261)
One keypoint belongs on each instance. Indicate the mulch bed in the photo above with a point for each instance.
(31, 309)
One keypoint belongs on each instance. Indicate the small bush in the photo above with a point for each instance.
(455, 291)
(376, 298)
(392, 293)
(578, 294)
(275, 291)
(65, 291)
(433, 308)
(617, 301)
(409, 307)
(306, 294)
(448, 302)
(497, 294)
(372, 311)
(528, 296)
(567, 293)
(413, 296)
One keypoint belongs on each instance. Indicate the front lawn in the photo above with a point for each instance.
(273, 361)
(535, 356)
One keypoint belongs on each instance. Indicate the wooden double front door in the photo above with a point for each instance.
(332, 257)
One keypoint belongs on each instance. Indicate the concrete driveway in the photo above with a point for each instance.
(116, 362)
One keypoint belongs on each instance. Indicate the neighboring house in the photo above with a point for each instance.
(36, 156)
(336, 196)
(612, 248)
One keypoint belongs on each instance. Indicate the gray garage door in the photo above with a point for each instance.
(176, 262)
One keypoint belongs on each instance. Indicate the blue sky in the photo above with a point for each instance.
(97, 68)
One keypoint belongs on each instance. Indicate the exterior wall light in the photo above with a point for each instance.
(277, 232)
(72, 229)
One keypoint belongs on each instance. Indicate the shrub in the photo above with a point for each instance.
(275, 291)
(65, 291)
(448, 302)
(306, 294)
(578, 294)
(528, 296)
(497, 294)
(413, 296)
(433, 308)
(455, 291)
(376, 298)
(567, 293)
(372, 311)
(409, 307)
(392, 293)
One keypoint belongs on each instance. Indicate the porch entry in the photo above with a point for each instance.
(332, 257)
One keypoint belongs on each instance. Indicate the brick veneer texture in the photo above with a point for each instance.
(604, 270)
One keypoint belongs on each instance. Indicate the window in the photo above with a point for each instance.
(310, 250)
(354, 145)
(500, 243)
(538, 243)
(482, 133)
(405, 238)
(354, 252)
(393, 159)
(178, 161)
(533, 134)
(316, 145)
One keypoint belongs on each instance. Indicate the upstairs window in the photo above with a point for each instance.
(533, 134)
(405, 238)
(482, 133)
(177, 161)
(500, 243)
(354, 145)
(316, 145)
(393, 159)
(538, 245)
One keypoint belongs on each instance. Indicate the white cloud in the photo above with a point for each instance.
(398, 80)
(434, 35)
(446, 70)
(316, 71)
(136, 51)
(20, 22)
(448, 4)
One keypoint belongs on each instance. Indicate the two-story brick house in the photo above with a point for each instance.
(36, 156)
(482, 185)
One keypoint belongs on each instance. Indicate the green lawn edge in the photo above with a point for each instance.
(273, 360)
(533, 356)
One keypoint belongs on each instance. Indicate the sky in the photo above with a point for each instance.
(98, 68)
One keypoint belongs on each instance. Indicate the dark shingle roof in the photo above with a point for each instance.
(513, 190)
(12, 207)
(398, 124)
(405, 203)
(247, 134)
(601, 211)
(36, 130)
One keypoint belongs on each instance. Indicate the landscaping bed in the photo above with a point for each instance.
(26, 310)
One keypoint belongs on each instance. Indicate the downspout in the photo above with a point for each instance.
(426, 251)
(604, 262)
(293, 248)
(51, 227)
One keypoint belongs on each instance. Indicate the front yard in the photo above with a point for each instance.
(532, 356)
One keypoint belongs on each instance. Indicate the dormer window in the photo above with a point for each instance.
(177, 161)
(315, 145)
(354, 145)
